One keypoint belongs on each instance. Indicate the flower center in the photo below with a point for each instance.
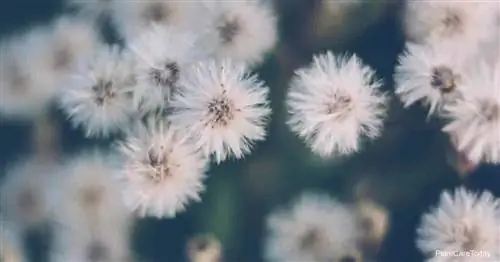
(471, 239)
(62, 58)
(166, 76)
(339, 105)
(92, 196)
(310, 240)
(443, 79)
(160, 166)
(490, 111)
(228, 30)
(103, 91)
(27, 201)
(221, 111)
(452, 23)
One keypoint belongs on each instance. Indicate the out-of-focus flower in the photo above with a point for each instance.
(162, 56)
(463, 221)
(132, 18)
(374, 220)
(24, 193)
(461, 23)
(204, 248)
(162, 172)
(222, 107)
(335, 102)
(87, 193)
(11, 246)
(241, 30)
(33, 63)
(317, 228)
(98, 95)
(475, 119)
(432, 74)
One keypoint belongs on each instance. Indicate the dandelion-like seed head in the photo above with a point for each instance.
(335, 102)
(317, 228)
(222, 107)
(98, 96)
(463, 221)
(474, 120)
(431, 74)
(162, 171)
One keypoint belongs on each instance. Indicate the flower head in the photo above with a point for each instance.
(222, 107)
(161, 55)
(334, 102)
(432, 74)
(131, 18)
(98, 96)
(162, 172)
(317, 228)
(475, 119)
(241, 30)
(462, 222)
(461, 23)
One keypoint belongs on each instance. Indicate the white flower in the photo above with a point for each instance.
(317, 228)
(133, 17)
(432, 74)
(241, 30)
(98, 96)
(463, 221)
(222, 107)
(475, 119)
(24, 193)
(161, 55)
(33, 63)
(87, 193)
(162, 172)
(334, 102)
(465, 24)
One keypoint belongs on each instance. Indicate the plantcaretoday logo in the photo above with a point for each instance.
(461, 253)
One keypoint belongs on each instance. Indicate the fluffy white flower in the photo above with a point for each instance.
(134, 17)
(334, 102)
(33, 63)
(162, 172)
(24, 193)
(98, 95)
(431, 74)
(317, 228)
(463, 221)
(92, 219)
(222, 107)
(475, 119)
(463, 23)
(240, 30)
(88, 194)
(161, 55)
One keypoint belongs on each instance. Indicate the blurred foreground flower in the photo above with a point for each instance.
(204, 248)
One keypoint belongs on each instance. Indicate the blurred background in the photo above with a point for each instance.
(404, 171)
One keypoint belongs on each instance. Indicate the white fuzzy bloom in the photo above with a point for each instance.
(475, 119)
(32, 64)
(24, 193)
(222, 107)
(132, 18)
(462, 23)
(335, 102)
(98, 94)
(161, 56)
(93, 224)
(11, 245)
(317, 228)
(162, 172)
(431, 74)
(240, 30)
(463, 221)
